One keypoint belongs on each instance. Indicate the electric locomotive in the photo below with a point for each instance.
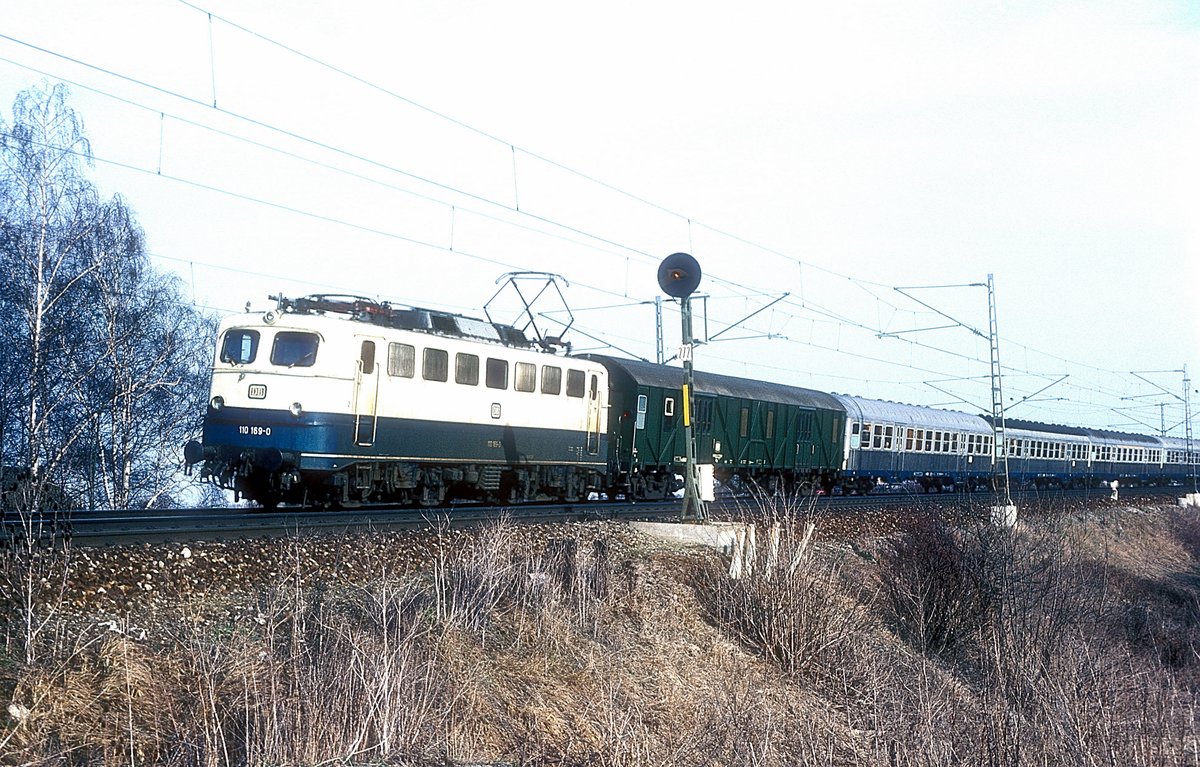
(335, 400)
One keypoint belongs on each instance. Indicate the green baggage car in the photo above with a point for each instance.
(767, 436)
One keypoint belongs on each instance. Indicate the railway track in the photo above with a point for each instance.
(102, 528)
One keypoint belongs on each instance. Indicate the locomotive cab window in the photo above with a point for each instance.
(240, 346)
(293, 349)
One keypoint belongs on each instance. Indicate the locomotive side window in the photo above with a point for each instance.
(240, 346)
(435, 364)
(367, 357)
(292, 349)
(466, 369)
(525, 376)
(497, 373)
(551, 379)
(402, 360)
(575, 383)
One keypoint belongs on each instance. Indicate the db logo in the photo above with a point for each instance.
(257, 391)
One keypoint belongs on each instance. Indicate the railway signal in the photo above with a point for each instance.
(679, 276)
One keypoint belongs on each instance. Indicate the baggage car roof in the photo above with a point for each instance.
(714, 384)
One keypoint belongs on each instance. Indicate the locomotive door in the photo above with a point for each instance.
(366, 393)
(593, 416)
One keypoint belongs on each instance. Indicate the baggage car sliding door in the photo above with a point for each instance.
(366, 393)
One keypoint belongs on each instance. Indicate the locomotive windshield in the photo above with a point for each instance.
(292, 349)
(240, 346)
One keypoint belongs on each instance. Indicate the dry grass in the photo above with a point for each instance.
(1064, 643)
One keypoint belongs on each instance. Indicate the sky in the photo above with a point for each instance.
(847, 175)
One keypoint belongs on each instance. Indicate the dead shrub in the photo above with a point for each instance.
(784, 605)
(935, 583)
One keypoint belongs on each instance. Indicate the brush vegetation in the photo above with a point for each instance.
(1067, 642)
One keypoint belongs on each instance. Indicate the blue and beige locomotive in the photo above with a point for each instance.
(333, 400)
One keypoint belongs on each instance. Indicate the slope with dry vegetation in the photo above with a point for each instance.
(1072, 641)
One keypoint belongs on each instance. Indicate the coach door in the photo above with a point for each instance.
(366, 392)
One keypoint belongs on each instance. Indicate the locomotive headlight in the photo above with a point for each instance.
(296, 409)
(218, 402)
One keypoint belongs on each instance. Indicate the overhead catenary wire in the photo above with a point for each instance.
(800, 305)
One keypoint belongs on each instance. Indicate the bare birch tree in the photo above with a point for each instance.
(103, 364)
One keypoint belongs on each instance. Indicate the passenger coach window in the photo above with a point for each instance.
(240, 346)
(466, 369)
(497, 373)
(293, 349)
(551, 380)
(525, 376)
(435, 365)
(575, 380)
(402, 360)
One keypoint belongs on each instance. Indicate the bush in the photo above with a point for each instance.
(785, 605)
(935, 582)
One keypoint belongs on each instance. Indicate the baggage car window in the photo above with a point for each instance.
(292, 349)
(466, 369)
(551, 379)
(402, 360)
(525, 377)
(435, 364)
(770, 424)
(804, 425)
(744, 428)
(240, 346)
(575, 383)
(497, 373)
(704, 417)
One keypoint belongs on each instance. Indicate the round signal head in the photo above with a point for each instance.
(679, 275)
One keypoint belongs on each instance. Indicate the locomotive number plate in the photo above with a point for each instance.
(257, 391)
